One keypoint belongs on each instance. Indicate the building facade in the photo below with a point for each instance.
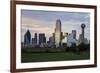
(70, 40)
(42, 39)
(34, 40)
(27, 38)
(58, 34)
(65, 38)
(74, 34)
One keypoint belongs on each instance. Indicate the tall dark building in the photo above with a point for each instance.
(27, 38)
(51, 41)
(83, 27)
(34, 40)
(42, 38)
(80, 38)
(74, 34)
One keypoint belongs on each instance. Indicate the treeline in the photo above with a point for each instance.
(81, 47)
(73, 48)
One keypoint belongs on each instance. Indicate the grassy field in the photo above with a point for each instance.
(54, 56)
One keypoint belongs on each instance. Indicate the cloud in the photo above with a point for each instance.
(35, 26)
(44, 22)
(28, 23)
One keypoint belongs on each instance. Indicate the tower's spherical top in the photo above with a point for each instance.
(83, 25)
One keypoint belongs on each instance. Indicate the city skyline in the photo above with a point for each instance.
(44, 22)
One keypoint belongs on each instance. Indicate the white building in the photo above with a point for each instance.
(65, 38)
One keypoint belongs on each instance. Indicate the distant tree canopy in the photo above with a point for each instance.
(83, 47)
(80, 47)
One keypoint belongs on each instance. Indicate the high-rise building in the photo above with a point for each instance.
(58, 33)
(27, 38)
(65, 38)
(58, 26)
(83, 27)
(71, 40)
(74, 33)
(86, 41)
(42, 38)
(51, 41)
(34, 40)
(80, 38)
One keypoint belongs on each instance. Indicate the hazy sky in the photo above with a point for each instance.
(44, 22)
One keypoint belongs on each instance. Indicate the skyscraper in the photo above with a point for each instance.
(42, 38)
(27, 38)
(80, 38)
(70, 40)
(58, 33)
(34, 40)
(58, 26)
(51, 41)
(65, 38)
(86, 41)
(74, 33)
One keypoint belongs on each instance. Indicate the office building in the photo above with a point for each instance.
(70, 40)
(58, 33)
(42, 39)
(51, 41)
(58, 26)
(65, 37)
(86, 41)
(74, 33)
(27, 38)
(34, 40)
(80, 38)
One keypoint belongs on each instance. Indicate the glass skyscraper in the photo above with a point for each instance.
(27, 38)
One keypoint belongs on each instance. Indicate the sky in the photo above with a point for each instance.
(39, 21)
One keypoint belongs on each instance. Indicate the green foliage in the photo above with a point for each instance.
(80, 52)
(54, 56)
(84, 47)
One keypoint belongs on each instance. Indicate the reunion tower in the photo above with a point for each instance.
(83, 27)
